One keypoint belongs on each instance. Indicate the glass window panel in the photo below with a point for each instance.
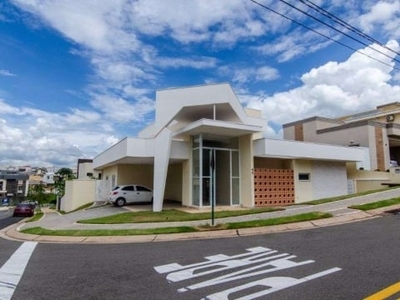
(206, 162)
(206, 192)
(235, 163)
(196, 192)
(235, 191)
(196, 141)
(196, 163)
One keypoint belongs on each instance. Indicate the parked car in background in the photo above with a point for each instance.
(24, 209)
(131, 193)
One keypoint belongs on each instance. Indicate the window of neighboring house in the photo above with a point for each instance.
(304, 176)
(20, 189)
(1, 185)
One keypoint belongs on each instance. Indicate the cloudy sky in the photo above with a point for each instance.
(77, 76)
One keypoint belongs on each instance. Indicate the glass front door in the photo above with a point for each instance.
(215, 174)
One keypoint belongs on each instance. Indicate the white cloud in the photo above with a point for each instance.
(380, 13)
(97, 25)
(33, 136)
(334, 89)
(118, 109)
(6, 73)
(194, 62)
(244, 75)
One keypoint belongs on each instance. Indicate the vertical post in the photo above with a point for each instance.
(212, 186)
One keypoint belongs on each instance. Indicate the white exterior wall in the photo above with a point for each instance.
(302, 189)
(329, 179)
(84, 169)
(302, 150)
(78, 193)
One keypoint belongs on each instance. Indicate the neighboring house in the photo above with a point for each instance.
(13, 185)
(378, 130)
(85, 169)
(48, 179)
(204, 148)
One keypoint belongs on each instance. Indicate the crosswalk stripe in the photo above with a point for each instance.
(12, 271)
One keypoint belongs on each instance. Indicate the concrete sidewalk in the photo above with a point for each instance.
(55, 221)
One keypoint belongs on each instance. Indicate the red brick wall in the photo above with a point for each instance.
(273, 187)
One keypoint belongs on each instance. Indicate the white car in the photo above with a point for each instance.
(131, 193)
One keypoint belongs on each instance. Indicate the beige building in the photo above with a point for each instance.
(378, 130)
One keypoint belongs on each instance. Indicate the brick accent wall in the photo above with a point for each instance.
(380, 157)
(273, 187)
(298, 132)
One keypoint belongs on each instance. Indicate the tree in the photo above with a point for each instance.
(59, 180)
(37, 193)
(65, 173)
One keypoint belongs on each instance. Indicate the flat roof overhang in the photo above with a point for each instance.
(138, 151)
(217, 128)
(285, 149)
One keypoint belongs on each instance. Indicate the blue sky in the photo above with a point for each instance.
(77, 76)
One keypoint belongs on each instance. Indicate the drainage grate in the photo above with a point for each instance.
(394, 211)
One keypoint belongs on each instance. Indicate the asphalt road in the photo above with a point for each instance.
(6, 218)
(349, 261)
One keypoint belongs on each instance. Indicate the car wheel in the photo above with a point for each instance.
(15, 215)
(120, 202)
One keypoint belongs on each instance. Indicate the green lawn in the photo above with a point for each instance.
(172, 215)
(277, 221)
(181, 229)
(106, 232)
(332, 199)
(377, 204)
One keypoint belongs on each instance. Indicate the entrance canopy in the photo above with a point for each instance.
(219, 128)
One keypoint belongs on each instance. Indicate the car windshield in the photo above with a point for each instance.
(23, 205)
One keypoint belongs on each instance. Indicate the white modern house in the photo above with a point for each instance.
(205, 148)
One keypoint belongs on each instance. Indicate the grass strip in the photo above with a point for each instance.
(344, 197)
(377, 204)
(171, 215)
(85, 206)
(181, 229)
(278, 221)
(108, 232)
(36, 217)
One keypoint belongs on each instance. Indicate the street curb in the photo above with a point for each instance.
(12, 232)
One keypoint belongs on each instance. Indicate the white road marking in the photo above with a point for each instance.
(12, 271)
(256, 262)
(272, 284)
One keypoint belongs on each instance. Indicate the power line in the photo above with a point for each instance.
(337, 30)
(337, 20)
(321, 34)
